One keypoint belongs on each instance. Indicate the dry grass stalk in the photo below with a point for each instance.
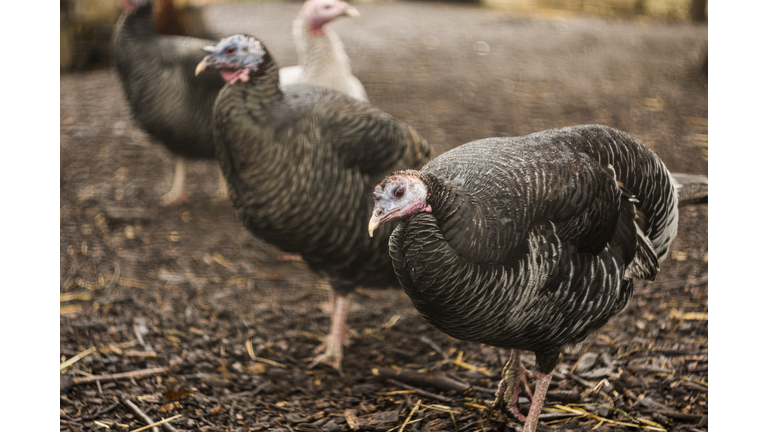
(141, 354)
(223, 261)
(395, 392)
(133, 283)
(402, 426)
(390, 322)
(76, 358)
(68, 309)
(269, 362)
(473, 368)
(161, 422)
(69, 296)
(440, 408)
(474, 405)
(133, 374)
(605, 420)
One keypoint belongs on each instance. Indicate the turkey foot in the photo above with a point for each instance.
(177, 194)
(222, 194)
(513, 382)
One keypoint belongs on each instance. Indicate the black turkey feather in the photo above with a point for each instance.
(157, 73)
(301, 162)
(529, 243)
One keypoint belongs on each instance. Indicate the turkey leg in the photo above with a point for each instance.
(537, 402)
(222, 193)
(337, 338)
(177, 192)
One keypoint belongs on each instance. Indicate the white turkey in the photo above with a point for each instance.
(301, 162)
(157, 73)
(322, 59)
(529, 243)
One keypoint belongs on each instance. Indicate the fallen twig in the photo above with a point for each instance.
(563, 395)
(435, 347)
(150, 423)
(439, 382)
(128, 214)
(249, 393)
(136, 410)
(419, 391)
(469, 426)
(97, 413)
(133, 374)
(581, 381)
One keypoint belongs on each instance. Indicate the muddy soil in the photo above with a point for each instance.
(231, 321)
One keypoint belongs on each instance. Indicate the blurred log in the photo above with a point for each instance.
(699, 10)
(85, 33)
(128, 214)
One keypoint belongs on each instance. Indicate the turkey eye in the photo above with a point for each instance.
(230, 50)
(399, 193)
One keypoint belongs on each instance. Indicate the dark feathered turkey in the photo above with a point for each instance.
(301, 163)
(157, 73)
(529, 243)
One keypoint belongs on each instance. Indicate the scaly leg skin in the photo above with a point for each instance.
(338, 335)
(513, 382)
(177, 193)
(537, 402)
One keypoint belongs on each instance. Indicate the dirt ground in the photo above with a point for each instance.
(231, 321)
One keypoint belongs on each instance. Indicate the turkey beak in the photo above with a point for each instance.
(378, 212)
(201, 66)
(352, 12)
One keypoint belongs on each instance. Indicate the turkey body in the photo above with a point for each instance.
(157, 74)
(301, 162)
(300, 174)
(532, 242)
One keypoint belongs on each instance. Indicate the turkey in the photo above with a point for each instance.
(157, 73)
(529, 243)
(301, 162)
(322, 59)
